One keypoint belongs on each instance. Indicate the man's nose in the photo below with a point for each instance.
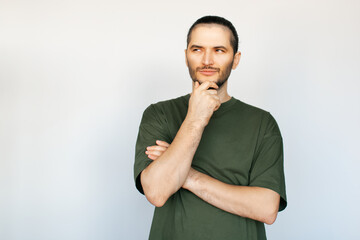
(207, 58)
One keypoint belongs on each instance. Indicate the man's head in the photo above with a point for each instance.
(234, 40)
(211, 53)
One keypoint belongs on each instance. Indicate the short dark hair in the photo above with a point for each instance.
(234, 40)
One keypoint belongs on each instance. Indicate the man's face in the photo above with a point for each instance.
(210, 56)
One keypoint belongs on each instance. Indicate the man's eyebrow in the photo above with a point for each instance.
(195, 46)
(216, 47)
(220, 47)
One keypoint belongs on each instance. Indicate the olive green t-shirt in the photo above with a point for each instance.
(241, 145)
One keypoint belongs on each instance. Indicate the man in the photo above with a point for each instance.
(211, 164)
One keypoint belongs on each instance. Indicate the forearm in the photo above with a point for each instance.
(257, 203)
(167, 174)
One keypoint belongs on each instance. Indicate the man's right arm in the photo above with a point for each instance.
(167, 174)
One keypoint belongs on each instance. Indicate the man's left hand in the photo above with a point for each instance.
(155, 151)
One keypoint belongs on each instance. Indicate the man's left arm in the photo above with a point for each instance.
(265, 194)
(258, 203)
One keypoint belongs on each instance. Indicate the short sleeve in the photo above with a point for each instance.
(268, 167)
(152, 128)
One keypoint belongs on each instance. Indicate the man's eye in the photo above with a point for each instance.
(196, 50)
(219, 50)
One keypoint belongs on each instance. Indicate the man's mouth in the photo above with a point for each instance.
(208, 72)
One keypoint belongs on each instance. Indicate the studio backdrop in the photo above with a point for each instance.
(76, 76)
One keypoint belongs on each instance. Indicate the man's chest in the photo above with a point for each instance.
(226, 149)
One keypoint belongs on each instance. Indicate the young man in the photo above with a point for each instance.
(211, 164)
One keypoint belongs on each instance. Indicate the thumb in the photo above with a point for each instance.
(196, 85)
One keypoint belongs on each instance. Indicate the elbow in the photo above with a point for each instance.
(270, 215)
(270, 218)
(156, 200)
(271, 210)
(152, 194)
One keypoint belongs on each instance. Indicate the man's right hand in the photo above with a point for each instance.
(168, 172)
(203, 102)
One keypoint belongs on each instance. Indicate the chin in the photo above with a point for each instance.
(207, 80)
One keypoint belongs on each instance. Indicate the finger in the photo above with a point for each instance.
(155, 153)
(212, 92)
(196, 84)
(214, 85)
(162, 143)
(218, 104)
(157, 148)
(216, 97)
(152, 157)
(206, 85)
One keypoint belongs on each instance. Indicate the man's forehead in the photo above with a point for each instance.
(211, 25)
(207, 33)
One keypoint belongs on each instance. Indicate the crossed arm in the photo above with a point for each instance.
(171, 168)
(257, 203)
(165, 176)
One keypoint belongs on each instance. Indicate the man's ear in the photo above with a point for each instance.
(186, 61)
(236, 60)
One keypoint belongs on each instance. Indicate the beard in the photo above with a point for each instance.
(224, 75)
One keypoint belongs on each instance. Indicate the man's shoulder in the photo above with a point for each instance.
(181, 101)
(250, 109)
(257, 115)
(178, 100)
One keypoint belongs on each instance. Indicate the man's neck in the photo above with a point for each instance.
(223, 94)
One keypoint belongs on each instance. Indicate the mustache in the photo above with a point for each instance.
(207, 68)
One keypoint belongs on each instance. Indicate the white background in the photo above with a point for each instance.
(75, 77)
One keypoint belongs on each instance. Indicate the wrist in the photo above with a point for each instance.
(191, 179)
(195, 123)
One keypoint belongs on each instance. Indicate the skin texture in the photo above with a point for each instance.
(210, 59)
